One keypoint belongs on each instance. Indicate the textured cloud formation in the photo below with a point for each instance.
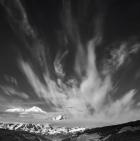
(91, 97)
(17, 14)
(118, 111)
(120, 54)
(11, 80)
(10, 91)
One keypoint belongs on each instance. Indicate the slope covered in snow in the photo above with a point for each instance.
(40, 128)
(39, 132)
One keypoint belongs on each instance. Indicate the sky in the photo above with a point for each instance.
(80, 57)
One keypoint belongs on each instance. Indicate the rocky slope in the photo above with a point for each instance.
(122, 132)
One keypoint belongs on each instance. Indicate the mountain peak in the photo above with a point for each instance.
(26, 110)
(34, 109)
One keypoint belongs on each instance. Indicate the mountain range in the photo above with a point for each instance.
(44, 132)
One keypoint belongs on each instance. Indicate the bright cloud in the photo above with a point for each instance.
(92, 98)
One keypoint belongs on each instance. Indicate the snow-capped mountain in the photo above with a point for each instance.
(38, 132)
(40, 128)
(15, 110)
(33, 109)
(59, 117)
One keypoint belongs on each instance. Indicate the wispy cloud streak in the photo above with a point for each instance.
(91, 96)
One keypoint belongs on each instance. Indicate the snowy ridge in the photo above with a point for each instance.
(33, 109)
(40, 128)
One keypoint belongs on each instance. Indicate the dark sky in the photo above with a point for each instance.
(36, 31)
